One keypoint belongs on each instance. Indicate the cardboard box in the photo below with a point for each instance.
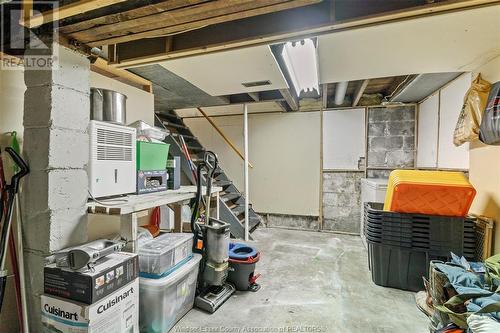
(109, 274)
(116, 313)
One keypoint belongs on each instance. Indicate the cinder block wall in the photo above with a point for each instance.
(391, 144)
(341, 201)
(391, 137)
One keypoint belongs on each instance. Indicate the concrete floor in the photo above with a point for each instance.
(311, 282)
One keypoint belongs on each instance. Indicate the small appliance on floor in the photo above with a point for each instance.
(211, 239)
(214, 289)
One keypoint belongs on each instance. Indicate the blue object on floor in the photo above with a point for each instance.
(240, 251)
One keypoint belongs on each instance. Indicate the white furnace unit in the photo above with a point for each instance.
(112, 165)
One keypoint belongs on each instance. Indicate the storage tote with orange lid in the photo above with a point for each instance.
(429, 192)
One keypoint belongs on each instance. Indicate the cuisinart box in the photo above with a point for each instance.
(117, 313)
(108, 274)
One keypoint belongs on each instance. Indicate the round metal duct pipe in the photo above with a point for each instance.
(340, 91)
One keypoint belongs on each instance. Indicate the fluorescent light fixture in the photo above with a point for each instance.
(302, 63)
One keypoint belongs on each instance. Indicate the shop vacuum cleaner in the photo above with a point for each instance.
(211, 240)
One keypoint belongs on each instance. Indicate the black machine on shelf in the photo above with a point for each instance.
(211, 240)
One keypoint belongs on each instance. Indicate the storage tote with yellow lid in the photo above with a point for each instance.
(429, 192)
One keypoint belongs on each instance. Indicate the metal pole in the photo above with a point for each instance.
(247, 194)
(20, 260)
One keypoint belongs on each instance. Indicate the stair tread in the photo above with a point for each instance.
(171, 124)
(168, 116)
(238, 209)
(186, 136)
(223, 183)
(195, 148)
(252, 222)
(230, 196)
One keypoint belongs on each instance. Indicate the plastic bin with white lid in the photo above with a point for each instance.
(164, 301)
(162, 255)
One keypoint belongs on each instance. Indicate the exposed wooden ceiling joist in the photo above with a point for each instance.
(359, 92)
(306, 21)
(59, 13)
(101, 66)
(171, 20)
(324, 95)
(128, 14)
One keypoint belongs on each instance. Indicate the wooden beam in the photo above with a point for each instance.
(228, 141)
(127, 15)
(359, 92)
(291, 99)
(303, 22)
(184, 19)
(324, 95)
(66, 11)
(101, 66)
(399, 83)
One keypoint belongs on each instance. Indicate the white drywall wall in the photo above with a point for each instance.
(285, 152)
(451, 102)
(484, 162)
(12, 89)
(343, 138)
(428, 122)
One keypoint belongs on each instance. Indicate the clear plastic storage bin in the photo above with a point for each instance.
(162, 255)
(164, 301)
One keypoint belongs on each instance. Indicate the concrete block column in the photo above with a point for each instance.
(56, 146)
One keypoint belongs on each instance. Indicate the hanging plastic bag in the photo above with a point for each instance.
(470, 117)
(490, 125)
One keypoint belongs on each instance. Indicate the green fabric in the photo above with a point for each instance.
(492, 265)
(471, 291)
(460, 319)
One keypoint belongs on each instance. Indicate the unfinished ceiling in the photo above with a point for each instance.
(199, 52)
(135, 20)
(355, 56)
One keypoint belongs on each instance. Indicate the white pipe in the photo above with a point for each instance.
(340, 91)
(247, 194)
